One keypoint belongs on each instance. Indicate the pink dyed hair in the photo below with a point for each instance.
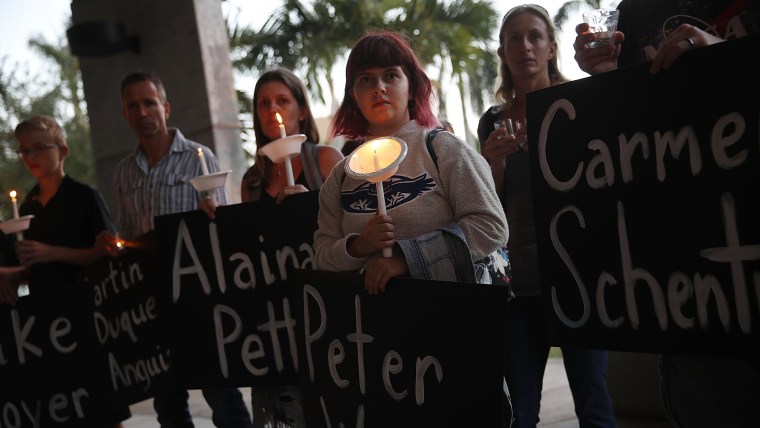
(383, 49)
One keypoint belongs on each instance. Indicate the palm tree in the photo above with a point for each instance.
(450, 35)
(23, 96)
(455, 37)
(305, 38)
(69, 106)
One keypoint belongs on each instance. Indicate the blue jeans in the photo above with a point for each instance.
(227, 406)
(526, 353)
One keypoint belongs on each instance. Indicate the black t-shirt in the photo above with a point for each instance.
(72, 218)
(646, 23)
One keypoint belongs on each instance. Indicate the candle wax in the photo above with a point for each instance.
(202, 160)
(387, 252)
(15, 207)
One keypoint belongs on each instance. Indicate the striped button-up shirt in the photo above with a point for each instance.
(141, 193)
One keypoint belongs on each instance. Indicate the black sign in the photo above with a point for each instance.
(210, 304)
(228, 292)
(51, 369)
(646, 204)
(422, 353)
(127, 321)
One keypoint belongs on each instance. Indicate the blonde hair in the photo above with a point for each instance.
(506, 90)
(45, 124)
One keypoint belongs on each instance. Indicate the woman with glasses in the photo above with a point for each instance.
(528, 61)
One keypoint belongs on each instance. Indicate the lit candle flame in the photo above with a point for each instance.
(283, 134)
(202, 160)
(15, 211)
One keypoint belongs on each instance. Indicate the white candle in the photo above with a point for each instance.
(202, 160)
(288, 164)
(283, 134)
(15, 205)
(387, 252)
(289, 171)
(19, 235)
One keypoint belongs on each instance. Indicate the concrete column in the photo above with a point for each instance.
(183, 41)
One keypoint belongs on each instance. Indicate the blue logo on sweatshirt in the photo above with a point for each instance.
(398, 190)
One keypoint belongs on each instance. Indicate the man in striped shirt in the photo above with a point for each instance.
(152, 181)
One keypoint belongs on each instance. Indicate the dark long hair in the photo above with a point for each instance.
(307, 126)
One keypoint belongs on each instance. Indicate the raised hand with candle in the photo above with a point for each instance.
(68, 215)
(167, 160)
(281, 93)
(430, 204)
(281, 109)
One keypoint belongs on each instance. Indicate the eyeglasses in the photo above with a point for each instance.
(536, 7)
(35, 150)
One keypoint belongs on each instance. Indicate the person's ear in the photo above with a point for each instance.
(553, 50)
(167, 109)
(64, 151)
(302, 113)
(501, 53)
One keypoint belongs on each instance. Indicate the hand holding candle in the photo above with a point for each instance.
(288, 165)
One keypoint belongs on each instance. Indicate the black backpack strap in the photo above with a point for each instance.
(429, 143)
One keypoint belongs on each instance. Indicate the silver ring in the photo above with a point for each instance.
(521, 146)
(690, 42)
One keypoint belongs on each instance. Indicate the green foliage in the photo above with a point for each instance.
(311, 37)
(58, 93)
